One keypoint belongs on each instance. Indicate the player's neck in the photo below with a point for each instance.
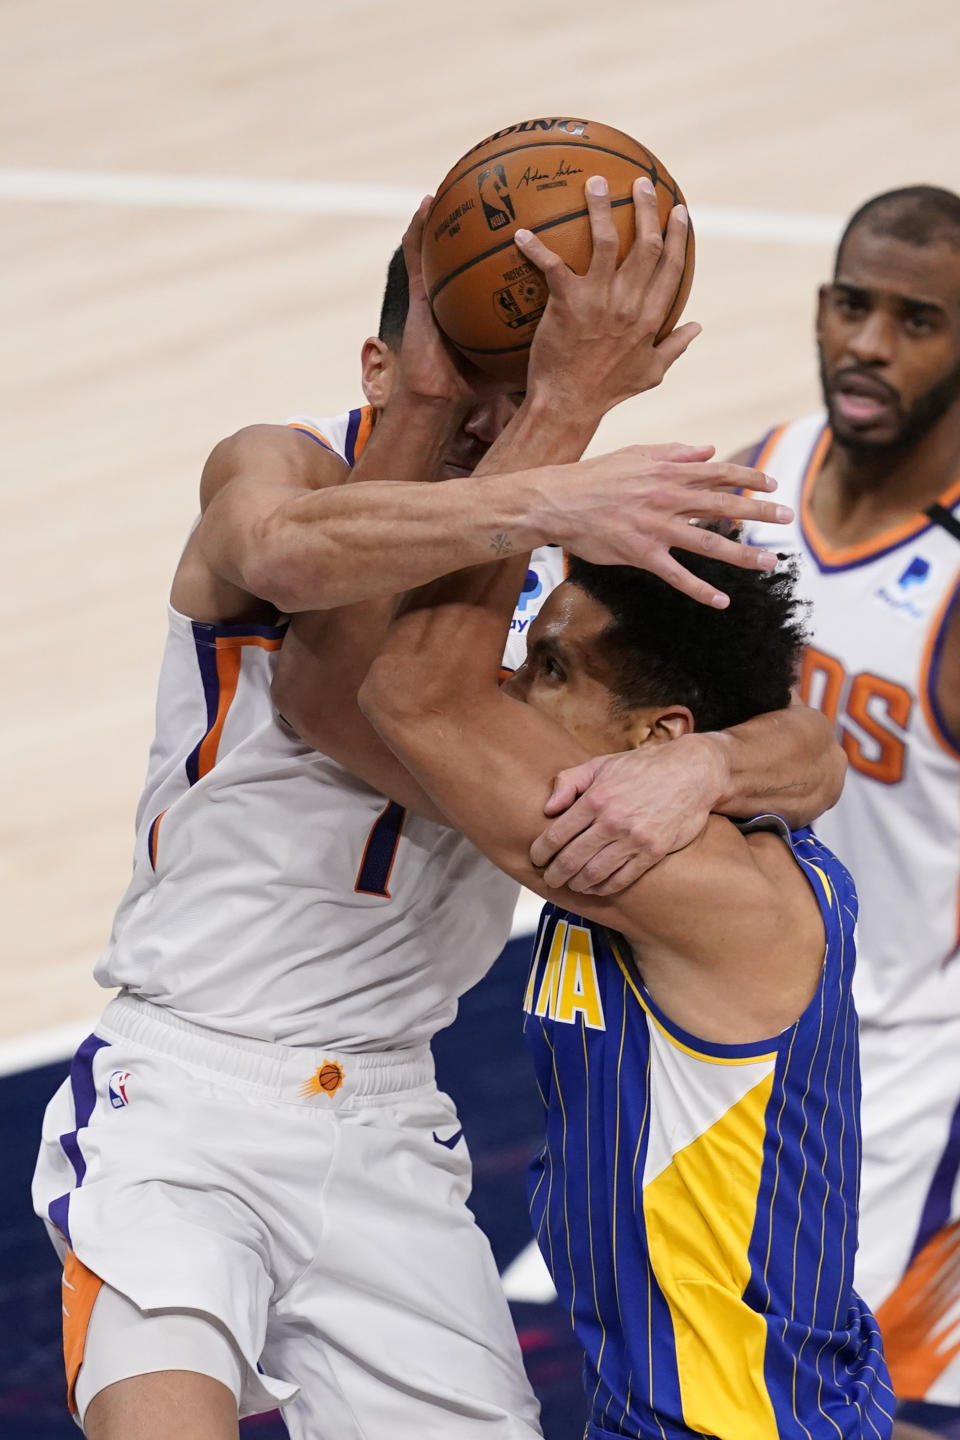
(857, 496)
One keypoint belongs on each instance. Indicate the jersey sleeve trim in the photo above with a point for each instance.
(930, 665)
(309, 431)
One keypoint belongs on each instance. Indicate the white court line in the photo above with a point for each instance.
(45, 1047)
(347, 198)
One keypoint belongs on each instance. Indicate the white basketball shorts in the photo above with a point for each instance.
(908, 1263)
(312, 1204)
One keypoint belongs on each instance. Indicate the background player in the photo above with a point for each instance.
(876, 485)
(283, 948)
(696, 1195)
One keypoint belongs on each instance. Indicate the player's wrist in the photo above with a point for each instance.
(712, 750)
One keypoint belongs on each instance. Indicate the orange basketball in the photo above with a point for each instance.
(486, 296)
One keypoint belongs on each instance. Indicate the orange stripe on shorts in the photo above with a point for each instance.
(80, 1288)
(919, 1338)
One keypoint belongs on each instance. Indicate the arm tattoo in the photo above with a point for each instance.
(501, 544)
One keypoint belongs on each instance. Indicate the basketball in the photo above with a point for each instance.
(487, 298)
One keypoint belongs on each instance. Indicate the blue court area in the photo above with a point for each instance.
(481, 1061)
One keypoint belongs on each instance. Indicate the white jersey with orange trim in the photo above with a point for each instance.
(880, 612)
(274, 895)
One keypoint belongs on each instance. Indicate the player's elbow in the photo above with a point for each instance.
(395, 696)
(275, 571)
(834, 771)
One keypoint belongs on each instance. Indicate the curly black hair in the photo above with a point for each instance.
(666, 649)
(396, 301)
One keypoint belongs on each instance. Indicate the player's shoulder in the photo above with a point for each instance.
(785, 435)
(278, 456)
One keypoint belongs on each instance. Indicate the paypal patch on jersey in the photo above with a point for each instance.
(546, 572)
(909, 587)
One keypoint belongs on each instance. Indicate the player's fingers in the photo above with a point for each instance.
(675, 451)
(677, 576)
(724, 505)
(722, 475)
(413, 240)
(618, 880)
(603, 232)
(664, 284)
(568, 785)
(555, 270)
(673, 345)
(700, 541)
(598, 869)
(575, 857)
(646, 251)
(565, 827)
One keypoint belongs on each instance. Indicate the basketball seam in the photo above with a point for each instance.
(578, 145)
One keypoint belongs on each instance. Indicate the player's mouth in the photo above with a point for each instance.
(454, 470)
(862, 400)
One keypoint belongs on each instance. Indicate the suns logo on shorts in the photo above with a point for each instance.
(325, 1080)
(117, 1089)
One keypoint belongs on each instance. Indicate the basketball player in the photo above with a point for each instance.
(694, 1036)
(874, 482)
(258, 1192)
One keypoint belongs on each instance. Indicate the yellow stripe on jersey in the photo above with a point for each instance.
(700, 1213)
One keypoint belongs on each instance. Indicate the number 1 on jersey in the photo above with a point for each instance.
(381, 851)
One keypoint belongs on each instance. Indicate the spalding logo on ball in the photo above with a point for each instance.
(486, 296)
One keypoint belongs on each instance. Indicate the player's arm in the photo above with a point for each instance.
(488, 760)
(616, 815)
(279, 525)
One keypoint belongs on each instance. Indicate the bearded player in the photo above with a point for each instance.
(875, 483)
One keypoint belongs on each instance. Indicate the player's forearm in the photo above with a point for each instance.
(358, 542)
(787, 762)
(442, 652)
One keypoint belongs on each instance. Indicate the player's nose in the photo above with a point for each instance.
(873, 341)
(490, 417)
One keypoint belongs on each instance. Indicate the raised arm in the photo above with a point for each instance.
(728, 930)
(595, 344)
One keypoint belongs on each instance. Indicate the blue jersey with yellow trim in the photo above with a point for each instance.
(696, 1203)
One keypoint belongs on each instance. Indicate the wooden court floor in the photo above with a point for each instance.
(197, 206)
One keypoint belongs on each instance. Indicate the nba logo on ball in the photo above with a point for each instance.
(117, 1089)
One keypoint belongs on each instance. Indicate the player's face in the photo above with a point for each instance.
(485, 420)
(888, 330)
(494, 404)
(566, 674)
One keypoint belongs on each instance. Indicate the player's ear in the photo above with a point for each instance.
(377, 363)
(657, 726)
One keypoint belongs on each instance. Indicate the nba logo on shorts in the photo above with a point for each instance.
(117, 1089)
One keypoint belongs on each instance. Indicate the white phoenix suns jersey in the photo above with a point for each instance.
(879, 617)
(274, 895)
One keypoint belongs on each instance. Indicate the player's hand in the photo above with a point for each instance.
(596, 343)
(430, 367)
(632, 506)
(617, 815)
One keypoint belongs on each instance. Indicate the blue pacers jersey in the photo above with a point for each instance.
(696, 1203)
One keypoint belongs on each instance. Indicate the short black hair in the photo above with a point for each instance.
(396, 301)
(917, 214)
(725, 665)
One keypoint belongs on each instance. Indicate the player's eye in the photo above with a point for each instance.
(849, 305)
(918, 324)
(552, 668)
